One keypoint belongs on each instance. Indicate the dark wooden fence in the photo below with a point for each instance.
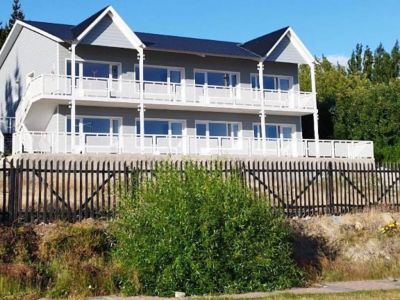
(44, 191)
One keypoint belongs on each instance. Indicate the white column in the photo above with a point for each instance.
(262, 113)
(73, 96)
(141, 99)
(315, 114)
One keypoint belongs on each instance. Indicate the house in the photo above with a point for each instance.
(100, 87)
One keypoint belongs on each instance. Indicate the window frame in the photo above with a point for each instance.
(80, 62)
(207, 122)
(276, 81)
(205, 71)
(81, 117)
(279, 131)
(163, 119)
(169, 69)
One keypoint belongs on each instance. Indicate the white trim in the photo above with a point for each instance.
(207, 123)
(13, 36)
(80, 61)
(81, 117)
(58, 59)
(184, 128)
(279, 126)
(169, 68)
(298, 44)
(37, 30)
(198, 70)
(291, 79)
(115, 17)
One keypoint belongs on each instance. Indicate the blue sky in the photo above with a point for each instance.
(330, 27)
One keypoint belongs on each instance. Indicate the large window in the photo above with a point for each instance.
(95, 69)
(94, 125)
(161, 74)
(217, 129)
(274, 131)
(161, 127)
(228, 79)
(283, 83)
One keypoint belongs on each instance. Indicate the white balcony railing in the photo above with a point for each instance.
(48, 142)
(162, 93)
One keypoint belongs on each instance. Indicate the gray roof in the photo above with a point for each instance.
(252, 49)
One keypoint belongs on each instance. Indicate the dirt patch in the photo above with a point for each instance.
(354, 246)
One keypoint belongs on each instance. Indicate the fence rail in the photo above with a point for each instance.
(47, 190)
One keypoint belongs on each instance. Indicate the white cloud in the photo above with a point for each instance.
(338, 59)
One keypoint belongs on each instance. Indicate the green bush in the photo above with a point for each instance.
(201, 233)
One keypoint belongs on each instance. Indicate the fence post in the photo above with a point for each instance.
(12, 192)
(330, 191)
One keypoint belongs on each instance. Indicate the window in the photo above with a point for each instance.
(274, 131)
(94, 69)
(217, 129)
(283, 83)
(161, 127)
(159, 74)
(216, 78)
(94, 125)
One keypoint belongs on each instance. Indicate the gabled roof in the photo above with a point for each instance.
(81, 27)
(263, 44)
(256, 49)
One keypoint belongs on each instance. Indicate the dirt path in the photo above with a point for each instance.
(333, 287)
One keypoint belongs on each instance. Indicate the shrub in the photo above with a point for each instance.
(202, 233)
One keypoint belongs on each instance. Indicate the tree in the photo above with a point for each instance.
(368, 63)
(395, 59)
(3, 35)
(355, 62)
(382, 65)
(17, 14)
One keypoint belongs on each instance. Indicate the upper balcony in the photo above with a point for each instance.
(162, 95)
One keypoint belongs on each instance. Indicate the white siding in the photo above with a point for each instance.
(106, 33)
(31, 52)
(286, 52)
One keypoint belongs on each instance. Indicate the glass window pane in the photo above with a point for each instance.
(234, 80)
(199, 78)
(154, 74)
(254, 82)
(219, 79)
(153, 127)
(235, 130)
(94, 125)
(69, 69)
(269, 83)
(176, 128)
(77, 122)
(175, 76)
(96, 70)
(115, 126)
(272, 131)
(201, 129)
(287, 132)
(217, 129)
(256, 130)
(284, 84)
(115, 72)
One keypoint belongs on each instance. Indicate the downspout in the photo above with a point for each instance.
(262, 113)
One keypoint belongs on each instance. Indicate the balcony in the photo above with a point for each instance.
(103, 91)
(47, 142)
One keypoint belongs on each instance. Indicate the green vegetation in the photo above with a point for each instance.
(58, 260)
(202, 233)
(16, 14)
(360, 101)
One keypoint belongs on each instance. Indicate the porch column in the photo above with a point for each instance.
(262, 113)
(315, 114)
(141, 98)
(73, 96)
